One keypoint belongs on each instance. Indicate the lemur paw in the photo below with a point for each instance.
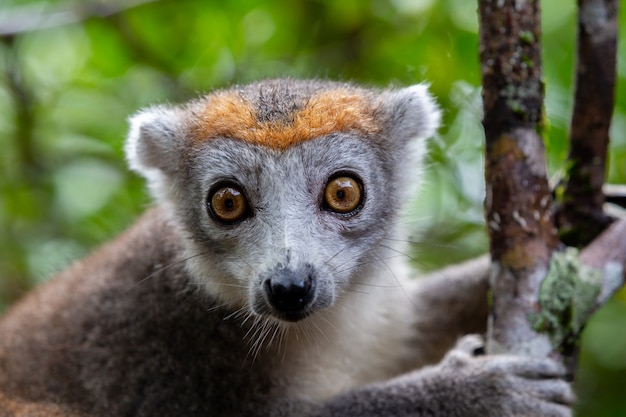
(509, 385)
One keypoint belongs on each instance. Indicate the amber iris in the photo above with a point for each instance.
(343, 195)
(228, 204)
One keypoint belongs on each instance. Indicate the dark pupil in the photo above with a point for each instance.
(229, 204)
(341, 194)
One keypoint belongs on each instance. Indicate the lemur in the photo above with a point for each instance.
(269, 280)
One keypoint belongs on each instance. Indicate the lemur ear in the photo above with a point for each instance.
(154, 147)
(412, 114)
(154, 141)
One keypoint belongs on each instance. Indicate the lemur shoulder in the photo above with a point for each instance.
(268, 280)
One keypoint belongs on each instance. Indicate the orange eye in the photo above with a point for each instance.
(228, 204)
(343, 194)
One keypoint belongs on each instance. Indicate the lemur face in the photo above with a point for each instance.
(290, 184)
(292, 226)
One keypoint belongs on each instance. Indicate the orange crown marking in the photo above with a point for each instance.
(227, 114)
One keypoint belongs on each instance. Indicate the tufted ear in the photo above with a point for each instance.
(155, 140)
(412, 114)
(154, 146)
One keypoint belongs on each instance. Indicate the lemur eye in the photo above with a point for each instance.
(228, 204)
(343, 194)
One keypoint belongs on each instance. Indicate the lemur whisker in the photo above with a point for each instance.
(315, 326)
(420, 243)
(339, 271)
(254, 340)
(258, 337)
(309, 336)
(337, 253)
(347, 300)
(282, 343)
(249, 315)
(271, 341)
(355, 291)
(273, 331)
(391, 248)
(399, 283)
(165, 267)
(235, 314)
(228, 284)
(364, 284)
(253, 325)
(218, 306)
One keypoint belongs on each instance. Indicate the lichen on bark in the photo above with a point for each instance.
(567, 298)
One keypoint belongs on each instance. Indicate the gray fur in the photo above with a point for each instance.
(173, 317)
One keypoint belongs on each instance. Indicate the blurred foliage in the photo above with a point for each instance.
(66, 91)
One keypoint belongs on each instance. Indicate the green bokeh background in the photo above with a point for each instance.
(65, 94)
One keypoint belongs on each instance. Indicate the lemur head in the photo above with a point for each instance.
(284, 188)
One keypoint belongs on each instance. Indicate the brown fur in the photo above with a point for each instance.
(16, 408)
(228, 114)
(80, 344)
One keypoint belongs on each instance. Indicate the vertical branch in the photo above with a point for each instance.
(580, 215)
(518, 201)
(23, 100)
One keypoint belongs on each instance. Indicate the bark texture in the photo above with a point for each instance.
(580, 213)
(543, 295)
(518, 200)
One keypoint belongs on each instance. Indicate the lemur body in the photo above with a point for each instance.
(269, 280)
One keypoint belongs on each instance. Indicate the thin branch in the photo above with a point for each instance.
(615, 193)
(23, 105)
(603, 266)
(580, 212)
(18, 20)
(607, 253)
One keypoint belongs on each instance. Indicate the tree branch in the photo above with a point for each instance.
(518, 200)
(615, 193)
(580, 214)
(542, 298)
(607, 253)
(18, 20)
(24, 103)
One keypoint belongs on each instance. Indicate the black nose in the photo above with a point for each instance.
(290, 291)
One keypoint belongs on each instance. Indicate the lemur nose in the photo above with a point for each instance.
(290, 291)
